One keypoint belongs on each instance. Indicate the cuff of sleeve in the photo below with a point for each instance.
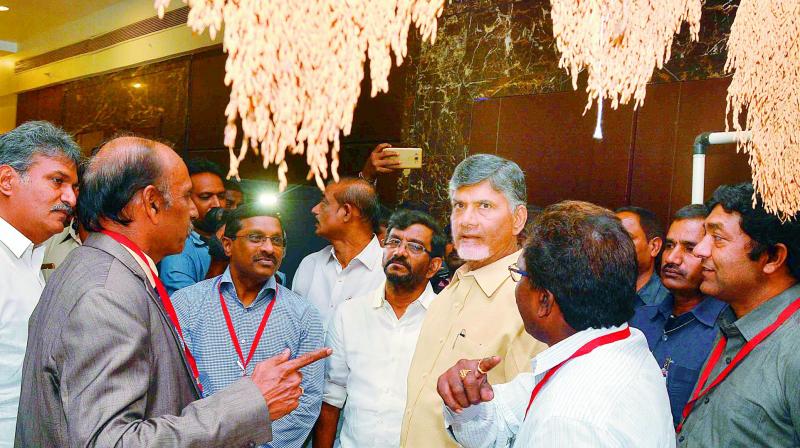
(245, 416)
(471, 413)
(334, 394)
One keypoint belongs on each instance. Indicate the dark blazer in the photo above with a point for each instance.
(104, 367)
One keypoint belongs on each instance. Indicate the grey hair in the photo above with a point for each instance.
(19, 145)
(504, 176)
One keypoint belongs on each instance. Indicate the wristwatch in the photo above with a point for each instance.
(374, 182)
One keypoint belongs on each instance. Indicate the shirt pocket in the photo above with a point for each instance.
(469, 348)
(680, 384)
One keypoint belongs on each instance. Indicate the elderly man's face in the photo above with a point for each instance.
(181, 211)
(483, 225)
(328, 213)
(48, 191)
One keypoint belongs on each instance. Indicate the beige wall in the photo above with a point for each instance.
(8, 112)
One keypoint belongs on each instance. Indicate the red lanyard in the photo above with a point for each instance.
(585, 349)
(162, 293)
(699, 392)
(232, 332)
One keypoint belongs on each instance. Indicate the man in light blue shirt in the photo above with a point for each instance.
(233, 321)
(191, 265)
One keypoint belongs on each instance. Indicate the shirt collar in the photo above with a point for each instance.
(147, 265)
(371, 256)
(13, 239)
(558, 353)
(491, 276)
(195, 238)
(706, 312)
(753, 322)
(424, 299)
(651, 290)
(226, 284)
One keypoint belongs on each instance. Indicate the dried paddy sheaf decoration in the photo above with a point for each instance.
(619, 42)
(764, 55)
(295, 68)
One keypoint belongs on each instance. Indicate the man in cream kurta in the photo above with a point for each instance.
(476, 315)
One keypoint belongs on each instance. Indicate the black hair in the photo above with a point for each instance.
(403, 219)
(361, 195)
(692, 211)
(384, 213)
(232, 184)
(581, 254)
(765, 229)
(234, 218)
(198, 166)
(110, 181)
(647, 220)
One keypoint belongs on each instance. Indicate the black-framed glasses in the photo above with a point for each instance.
(517, 273)
(412, 247)
(259, 239)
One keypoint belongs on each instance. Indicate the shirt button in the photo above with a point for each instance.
(441, 340)
(706, 400)
(680, 439)
(728, 360)
(251, 445)
(664, 338)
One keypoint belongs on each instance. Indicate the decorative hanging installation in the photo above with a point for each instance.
(619, 43)
(764, 55)
(295, 69)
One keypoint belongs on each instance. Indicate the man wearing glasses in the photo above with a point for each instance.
(235, 320)
(374, 336)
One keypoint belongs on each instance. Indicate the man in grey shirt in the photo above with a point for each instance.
(748, 393)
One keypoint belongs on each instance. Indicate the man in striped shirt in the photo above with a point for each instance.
(233, 321)
(597, 384)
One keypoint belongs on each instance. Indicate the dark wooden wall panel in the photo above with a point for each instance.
(43, 104)
(550, 139)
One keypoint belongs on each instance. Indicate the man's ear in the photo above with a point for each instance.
(152, 204)
(655, 246)
(8, 178)
(520, 217)
(227, 246)
(433, 267)
(547, 303)
(347, 212)
(775, 259)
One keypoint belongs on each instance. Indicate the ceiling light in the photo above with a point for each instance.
(4, 8)
(136, 85)
(268, 199)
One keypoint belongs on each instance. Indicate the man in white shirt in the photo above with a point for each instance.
(373, 338)
(350, 266)
(38, 176)
(597, 385)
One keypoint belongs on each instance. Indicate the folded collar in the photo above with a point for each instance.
(491, 276)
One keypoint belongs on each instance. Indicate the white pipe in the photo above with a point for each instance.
(698, 177)
(699, 160)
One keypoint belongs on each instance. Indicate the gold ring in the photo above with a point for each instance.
(481, 371)
(464, 372)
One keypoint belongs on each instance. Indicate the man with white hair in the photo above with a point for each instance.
(476, 315)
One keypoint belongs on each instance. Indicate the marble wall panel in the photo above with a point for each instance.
(490, 49)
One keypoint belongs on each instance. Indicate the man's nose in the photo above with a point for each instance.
(703, 249)
(214, 201)
(68, 195)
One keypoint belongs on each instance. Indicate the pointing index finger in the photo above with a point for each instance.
(307, 358)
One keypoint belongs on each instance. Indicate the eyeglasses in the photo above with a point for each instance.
(517, 273)
(414, 248)
(259, 239)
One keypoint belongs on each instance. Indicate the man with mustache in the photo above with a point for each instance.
(38, 181)
(191, 265)
(681, 329)
(373, 339)
(648, 236)
(475, 316)
(106, 363)
(347, 216)
(748, 393)
(237, 319)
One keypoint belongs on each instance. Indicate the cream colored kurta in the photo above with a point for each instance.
(476, 316)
